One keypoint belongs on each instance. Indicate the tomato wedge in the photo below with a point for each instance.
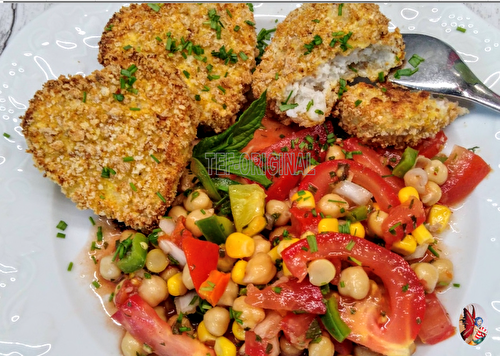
(436, 325)
(271, 131)
(295, 328)
(201, 258)
(179, 234)
(255, 345)
(303, 220)
(141, 321)
(319, 184)
(406, 300)
(402, 220)
(373, 160)
(465, 171)
(291, 295)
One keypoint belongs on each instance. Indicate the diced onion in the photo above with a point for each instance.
(183, 303)
(173, 250)
(167, 225)
(419, 252)
(353, 192)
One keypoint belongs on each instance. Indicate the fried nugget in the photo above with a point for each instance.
(211, 45)
(316, 50)
(393, 116)
(116, 141)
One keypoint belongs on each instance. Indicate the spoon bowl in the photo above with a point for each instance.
(442, 72)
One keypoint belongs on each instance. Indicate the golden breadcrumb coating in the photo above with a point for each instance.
(392, 116)
(78, 131)
(318, 46)
(175, 36)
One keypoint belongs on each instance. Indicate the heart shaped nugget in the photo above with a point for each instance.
(116, 141)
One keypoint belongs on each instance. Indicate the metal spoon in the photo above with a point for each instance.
(443, 72)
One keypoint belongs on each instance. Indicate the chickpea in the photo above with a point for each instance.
(194, 216)
(324, 347)
(375, 220)
(156, 260)
(260, 269)
(432, 194)
(427, 274)
(225, 263)
(161, 312)
(445, 270)
(196, 200)
(321, 272)
(130, 346)
(169, 272)
(216, 321)
(287, 349)
(279, 231)
(153, 290)
(183, 323)
(334, 152)
(364, 351)
(108, 269)
(333, 205)
(354, 283)
(261, 245)
(421, 162)
(186, 278)
(177, 211)
(229, 295)
(437, 171)
(250, 316)
(416, 178)
(279, 210)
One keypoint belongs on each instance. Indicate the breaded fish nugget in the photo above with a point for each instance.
(391, 116)
(115, 141)
(211, 45)
(316, 50)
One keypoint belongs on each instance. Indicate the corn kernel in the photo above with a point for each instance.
(284, 244)
(406, 246)
(328, 225)
(376, 206)
(257, 224)
(238, 331)
(406, 193)
(175, 285)
(239, 245)
(439, 216)
(357, 229)
(238, 272)
(422, 235)
(304, 199)
(286, 271)
(203, 334)
(274, 253)
(224, 347)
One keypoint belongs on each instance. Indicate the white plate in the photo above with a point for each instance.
(44, 309)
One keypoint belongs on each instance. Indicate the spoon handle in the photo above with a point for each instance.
(481, 94)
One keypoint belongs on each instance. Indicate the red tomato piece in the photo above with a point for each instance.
(285, 160)
(405, 295)
(213, 288)
(201, 258)
(465, 171)
(343, 348)
(255, 345)
(271, 131)
(373, 160)
(303, 220)
(141, 321)
(291, 295)
(319, 184)
(179, 234)
(402, 220)
(436, 325)
(295, 327)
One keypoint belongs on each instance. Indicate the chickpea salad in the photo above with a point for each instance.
(287, 241)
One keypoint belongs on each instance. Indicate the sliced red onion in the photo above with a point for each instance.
(173, 250)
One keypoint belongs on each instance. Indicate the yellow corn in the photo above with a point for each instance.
(405, 193)
(224, 347)
(238, 331)
(257, 224)
(376, 206)
(175, 285)
(238, 272)
(203, 334)
(406, 246)
(304, 199)
(274, 253)
(286, 271)
(422, 235)
(328, 225)
(239, 245)
(284, 244)
(357, 229)
(438, 218)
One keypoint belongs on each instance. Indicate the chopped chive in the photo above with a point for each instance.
(155, 7)
(96, 284)
(99, 234)
(229, 13)
(221, 89)
(357, 102)
(70, 266)
(135, 109)
(205, 88)
(352, 68)
(161, 197)
(461, 29)
(340, 9)
(84, 99)
(276, 76)
(5, 134)
(62, 225)
(342, 284)
(128, 159)
(319, 112)
(61, 235)
(309, 104)
(456, 285)
(92, 220)
(277, 290)
(356, 261)
(405, 288)
(118, 97)
(407, 72)
(155, 159)
(243, 56)
(415, 60)
(134, 188)
(250, 23)
(381, 77)
(158, 39)
(250, 6)
(197, 98)
(236, 28)
(313, 244)
(315, 20)
(350, 245)
(186, 74)
(94, 259)
(127, 47)
(433, 251)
